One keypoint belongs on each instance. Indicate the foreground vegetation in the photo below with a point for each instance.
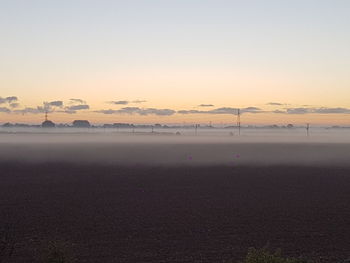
(265, 256)
(63, 252)
(58, 253)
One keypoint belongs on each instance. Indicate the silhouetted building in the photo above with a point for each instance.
(123, 125)
(7, 125)
(48, 124)
(81, 124)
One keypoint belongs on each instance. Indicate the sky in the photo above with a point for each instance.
(175, 61)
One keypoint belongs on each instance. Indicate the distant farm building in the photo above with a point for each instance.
(81, 124)
(123, 125)
(47, 123)
(7, 125)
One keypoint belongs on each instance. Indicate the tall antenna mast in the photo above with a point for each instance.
(239, 121)
(46, 115)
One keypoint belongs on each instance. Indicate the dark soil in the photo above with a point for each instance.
(175, 214)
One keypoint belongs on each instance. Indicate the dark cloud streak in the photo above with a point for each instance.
(321, 110)
(77, 107)
(72, 101)
(5, 110)
(56, 103)
(223, 110)
(119, 102)
(125, 102)
(8, 99)
(14, 105)
(275, 104)
(205, 105)
(139, 111)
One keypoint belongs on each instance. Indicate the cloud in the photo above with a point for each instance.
(191, 111)
(77, 107)
(223, 110)
(119, 102)
(279, 111)
(160, 112)
(332, 111)
(205, 105)
(74, 101)
(125, 102)
(52, 105)
(12, 99)
(14, 105)
(275, 104)
(56, 103)
(252, 110)
(8, 99)
(110, 111)
(136, 110)
(67, 111)
(74, 105)
(321, 110)
(30, 110)
(130, 110)
(298, 110)
(5, 110)
(226, 110)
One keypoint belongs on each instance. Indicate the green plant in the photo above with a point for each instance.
(57, 252)
(265, 256)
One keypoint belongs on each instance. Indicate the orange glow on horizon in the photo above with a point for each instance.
(246, 119)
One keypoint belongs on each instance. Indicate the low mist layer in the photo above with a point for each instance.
(174, 150)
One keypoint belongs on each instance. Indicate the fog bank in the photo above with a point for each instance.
(158, 149)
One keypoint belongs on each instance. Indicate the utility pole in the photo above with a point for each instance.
(195, 128)
(239, 121)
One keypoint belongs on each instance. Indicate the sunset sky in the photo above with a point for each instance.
(175, 61)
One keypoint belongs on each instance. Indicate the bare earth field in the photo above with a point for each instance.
(115, 213)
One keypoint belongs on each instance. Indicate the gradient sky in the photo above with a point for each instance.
(177, 55)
